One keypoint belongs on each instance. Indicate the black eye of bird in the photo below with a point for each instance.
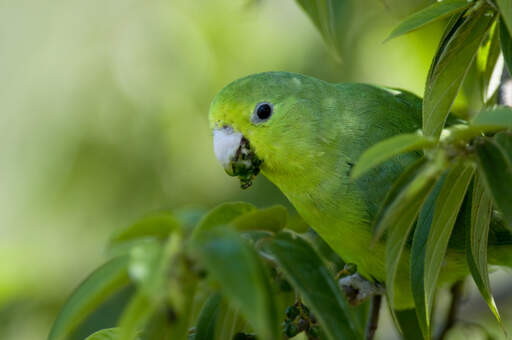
(262, 112)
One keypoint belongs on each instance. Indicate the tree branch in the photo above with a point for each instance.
(451, 317)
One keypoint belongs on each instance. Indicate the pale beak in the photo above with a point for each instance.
(226, 143)
(235, 155)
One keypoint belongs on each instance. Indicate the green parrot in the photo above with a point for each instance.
(305, 135)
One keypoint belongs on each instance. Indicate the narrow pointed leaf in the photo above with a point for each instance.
(451, 63)
(402, 222)
(331, 18)
(105, 334)
(506, 45)
(505, 7)
(487, 63)
(497, 118)
(477, 234)
(409, 190)
(207, 321)
(496, 170)
(92, 292)
(242, 276)
(408, 323)
(418, 249)
(397, 237)
(436, 11)
(446, 209)
(307, 273)
(388, 148)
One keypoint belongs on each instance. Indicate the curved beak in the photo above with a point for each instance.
(234, 153)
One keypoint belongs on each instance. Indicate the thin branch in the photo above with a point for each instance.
(373, 321)
(451, 317)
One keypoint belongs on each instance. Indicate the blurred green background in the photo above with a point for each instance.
(104, 119)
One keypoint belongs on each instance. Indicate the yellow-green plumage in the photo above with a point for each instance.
(316, 133)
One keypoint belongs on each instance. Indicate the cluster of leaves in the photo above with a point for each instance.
(468, 163)
(234, 272)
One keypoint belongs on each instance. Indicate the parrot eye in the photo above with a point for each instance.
(262, 112)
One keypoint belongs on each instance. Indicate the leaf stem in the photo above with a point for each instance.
(373, 321)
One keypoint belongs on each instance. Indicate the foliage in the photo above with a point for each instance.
(475, 152)
(238, 270)
(250, 270)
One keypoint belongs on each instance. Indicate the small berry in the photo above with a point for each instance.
(292, 312)
(291, 330)
(302, 324)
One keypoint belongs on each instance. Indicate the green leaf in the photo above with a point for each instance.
(135, 316)
(388, 148)
(408, 324)
(409, 191)
(222, 215)
(297, 224)
(229, 322)
(244, 217)
(496, 118)
(269, 219)
(92, 292)
(496, 170)
(506, 45)
(418, 249)
(446, 209)
(504, 140)
(105, 334)
(477, 234)
(331, 18)
(402, 214)
(335, 264)
(505, 7)
(397, 237)
(161, 325)
(207, 321)
(243, 278)
(307, 273)
(436, 11)
(486, 60)
(149, 265)
(157, 226)
(450, 65)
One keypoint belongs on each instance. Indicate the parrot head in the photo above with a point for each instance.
(258, 124)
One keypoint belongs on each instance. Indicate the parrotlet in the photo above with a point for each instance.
(305, 135)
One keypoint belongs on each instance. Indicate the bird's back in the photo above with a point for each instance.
(500, 237)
